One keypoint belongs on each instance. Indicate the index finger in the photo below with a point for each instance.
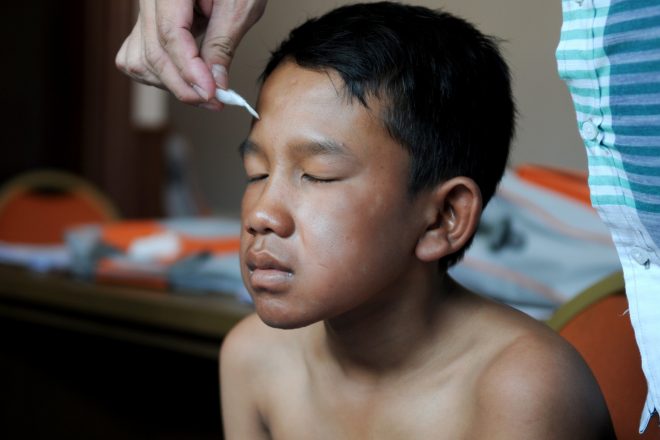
(174, 19)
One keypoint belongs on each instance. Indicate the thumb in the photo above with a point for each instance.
(228, 23)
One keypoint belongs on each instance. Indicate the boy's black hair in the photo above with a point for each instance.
(444, 85)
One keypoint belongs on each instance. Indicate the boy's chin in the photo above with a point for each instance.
(284, 321)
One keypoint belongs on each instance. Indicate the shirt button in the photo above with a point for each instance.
(589, 131)
(640, 256)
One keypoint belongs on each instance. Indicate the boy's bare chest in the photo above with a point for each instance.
(424, 409)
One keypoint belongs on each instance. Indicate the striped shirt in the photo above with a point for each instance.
(609, 56)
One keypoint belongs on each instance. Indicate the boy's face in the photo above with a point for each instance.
(327, 221)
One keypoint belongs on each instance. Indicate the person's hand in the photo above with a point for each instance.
(162, 51)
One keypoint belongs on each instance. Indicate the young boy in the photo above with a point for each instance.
(384, 130)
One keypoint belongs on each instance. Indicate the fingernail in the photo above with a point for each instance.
(200, 91)
(219, 75)
(208, 106)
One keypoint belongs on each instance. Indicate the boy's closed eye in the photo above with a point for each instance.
(252, 178)
(318, 179)
(310, 162)
(256, 178)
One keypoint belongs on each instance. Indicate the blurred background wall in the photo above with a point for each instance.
(65, 105)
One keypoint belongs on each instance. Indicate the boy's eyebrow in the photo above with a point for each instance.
(247, 146)
(310, 148)
(322, 147)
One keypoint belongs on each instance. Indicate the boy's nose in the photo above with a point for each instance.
(269, 214)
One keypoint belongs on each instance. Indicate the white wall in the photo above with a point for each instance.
(547, 132)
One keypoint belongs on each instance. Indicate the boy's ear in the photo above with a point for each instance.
(452, 216)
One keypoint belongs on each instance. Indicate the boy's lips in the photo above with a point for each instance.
(265, 261)
(267, 272)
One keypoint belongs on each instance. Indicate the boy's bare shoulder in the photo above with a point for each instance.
(251, 344)
(261, 355)
(536, 385)
(255, 363)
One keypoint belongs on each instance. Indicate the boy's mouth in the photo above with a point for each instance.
(265, 261)
(267, 272)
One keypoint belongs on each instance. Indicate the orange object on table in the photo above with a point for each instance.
(572, 184)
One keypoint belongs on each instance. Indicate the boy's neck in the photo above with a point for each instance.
(392, 335)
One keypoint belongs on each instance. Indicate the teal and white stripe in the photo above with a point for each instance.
(609, 56)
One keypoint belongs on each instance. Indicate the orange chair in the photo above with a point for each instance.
(37, 207)
(597, 324)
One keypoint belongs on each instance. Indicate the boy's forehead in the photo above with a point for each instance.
(290, 81)
(302, 104)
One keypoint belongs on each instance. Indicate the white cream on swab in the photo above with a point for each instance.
(232, 98)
